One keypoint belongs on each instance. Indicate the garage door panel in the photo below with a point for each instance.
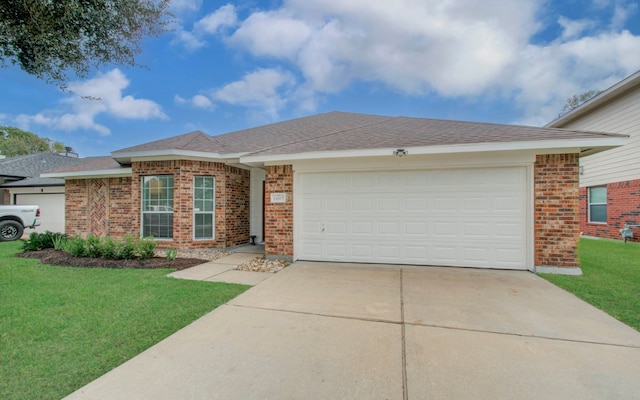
(445, 217)
(52, 209)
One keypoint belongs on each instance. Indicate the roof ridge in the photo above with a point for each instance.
(328, 134)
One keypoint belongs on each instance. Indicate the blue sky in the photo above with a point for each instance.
(233, 65)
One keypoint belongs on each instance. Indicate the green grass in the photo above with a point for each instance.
(610, 280)
(62, 327)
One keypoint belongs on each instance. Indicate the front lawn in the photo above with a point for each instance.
(62, 327)
(610, 280)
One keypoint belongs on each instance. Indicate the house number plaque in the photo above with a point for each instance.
(278, 198)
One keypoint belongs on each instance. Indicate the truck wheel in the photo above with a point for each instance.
(10, 230)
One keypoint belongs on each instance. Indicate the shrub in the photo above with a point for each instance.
(107, 248)
(92, 246)
(75, 246)
(125, 250)
(146, 248)
(44, 240)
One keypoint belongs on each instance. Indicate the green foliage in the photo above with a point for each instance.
(75, 246)
(45, 240)
(108, 248)
(48, 38)
(59, 241)
(92, 247)
(125, 250)
(16, 142)
(146, 248)
(576, 100)
(105, 247)
(62, 327)
(610, 278)
(172, 253)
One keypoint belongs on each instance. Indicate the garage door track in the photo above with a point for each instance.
(348, 331)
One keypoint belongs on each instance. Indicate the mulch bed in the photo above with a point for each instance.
(57, 257)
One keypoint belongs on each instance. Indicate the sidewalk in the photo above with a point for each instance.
(222, 269)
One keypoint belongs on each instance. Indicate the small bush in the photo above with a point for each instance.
(125, 250)
(107, 248)
(146, 248)
(75, 246)
(44, 240)
(92, 247)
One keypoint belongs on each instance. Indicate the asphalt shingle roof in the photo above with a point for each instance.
(337, 131)
(91, 164)
(31, 166)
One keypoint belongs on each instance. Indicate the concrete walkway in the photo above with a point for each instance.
(347, 331)
(222, 269)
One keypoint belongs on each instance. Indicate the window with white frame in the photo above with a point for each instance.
(157, 206)
(598, 204)
(203, 207)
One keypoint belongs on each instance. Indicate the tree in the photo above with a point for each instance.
(577, 100)
(16, 142)
(48, 38)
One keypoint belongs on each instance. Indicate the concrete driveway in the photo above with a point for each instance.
(347, 331)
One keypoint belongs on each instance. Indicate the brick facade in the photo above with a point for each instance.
(556, 219)
(279, 216)
(98, 206)
(111, 206)
(623, 207)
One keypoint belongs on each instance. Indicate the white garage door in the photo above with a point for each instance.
(51, 209)
(455, 217)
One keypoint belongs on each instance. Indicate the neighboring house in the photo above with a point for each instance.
(610, 180)
(20, 183)
(351, 188)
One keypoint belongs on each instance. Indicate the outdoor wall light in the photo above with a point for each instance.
(400, 152)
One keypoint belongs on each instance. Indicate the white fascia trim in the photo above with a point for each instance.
(173, 153)
(548, 146)
(103, 173)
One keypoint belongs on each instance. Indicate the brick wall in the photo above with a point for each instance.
(556, 207)
(76, 197)
(99, 206)
(279, 216)
(623, 207)
(238, 206)
(111, 206)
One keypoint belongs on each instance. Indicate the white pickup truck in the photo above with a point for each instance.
(13, 220)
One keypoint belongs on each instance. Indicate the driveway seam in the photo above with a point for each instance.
(405, 391)
(628, 346)
(386, 321)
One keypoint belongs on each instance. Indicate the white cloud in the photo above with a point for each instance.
(197, 101)
(272, 34)
(211, 24)
(224, 16)
(187, 39)
(182, 6)
(455, 48)
(574, 28)
(547, 76)
(621, 14)
(265, 89)
(92, 98)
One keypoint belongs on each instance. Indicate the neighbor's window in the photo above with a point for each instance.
(157, 206)
(598, 204)
(203, 207)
